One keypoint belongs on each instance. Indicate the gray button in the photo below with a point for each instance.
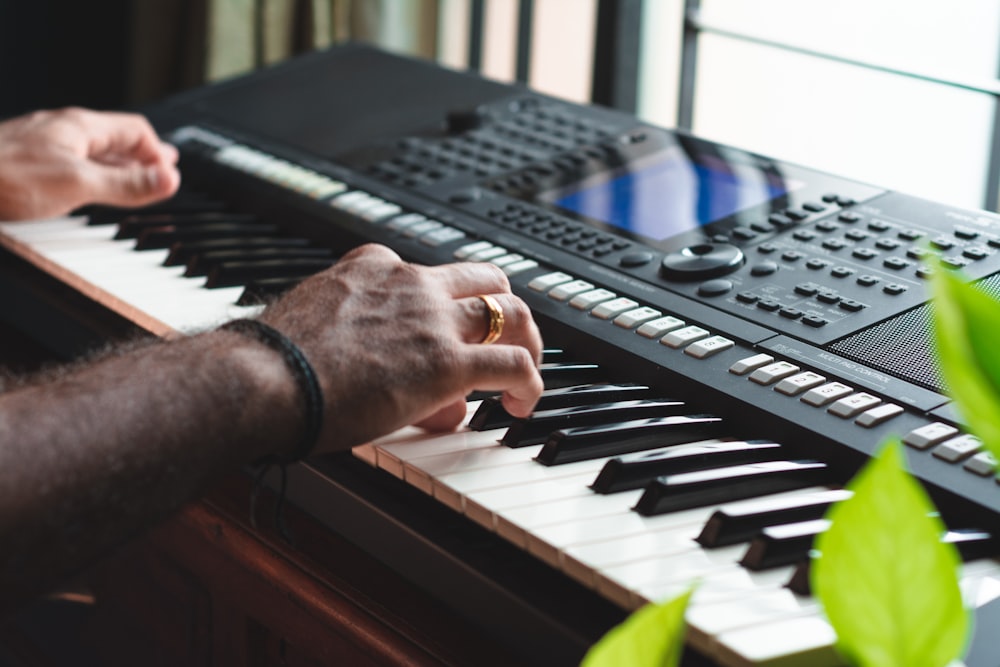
(958, 449)
(929, 435)
(744, 366)
(773, 372)
(983, 464)
(660, 326)
(682, 337)
(878, 415)
(709, 346)
(795, 385)
(852, 406)
(828, 393)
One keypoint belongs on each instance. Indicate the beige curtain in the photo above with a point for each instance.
(179, 44)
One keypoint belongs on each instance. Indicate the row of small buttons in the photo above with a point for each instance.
(279, 172)
(813, 389)
(954, 447)
(484, 251)
(629, 314)
(557, 231)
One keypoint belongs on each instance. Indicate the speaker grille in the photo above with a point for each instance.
(902, 346)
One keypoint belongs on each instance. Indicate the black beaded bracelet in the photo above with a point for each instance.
(304, 376)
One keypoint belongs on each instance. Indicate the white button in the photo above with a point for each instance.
(504, 260)
(487, 254)
(929, 435)
(441, 236)
(744, 366)
(405, 220)
(519, 267)
(706, 348)
(853, 405)
(660, 326)
(682, 337)
(958, 449)
(828, 393)
(568, 290)
(381, 212)
(549, 280)
(983, 464)
(878, 415)
(795, 385)
(588, 300)
(773, 372)
(610, 309)
(633, 318)
(416, 230)
(470, 249)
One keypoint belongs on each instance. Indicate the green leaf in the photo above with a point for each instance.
(651, 637)
(965, 322)
(888, 584)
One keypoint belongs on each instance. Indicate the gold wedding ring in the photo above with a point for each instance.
(495, 313)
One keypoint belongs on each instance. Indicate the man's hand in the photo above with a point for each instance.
(52, 162)
(397, 344)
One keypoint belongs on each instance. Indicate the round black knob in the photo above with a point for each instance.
(701, 262)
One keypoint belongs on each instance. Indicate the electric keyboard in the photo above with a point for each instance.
(732, 336)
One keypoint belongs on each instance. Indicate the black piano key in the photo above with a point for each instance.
(182, 202)
(782, 545)
(132, 226)
(971, 543)
(491, 413)
(262, 292)
(636, 470)
(233, 274)
(590, 442)
(202, 263)
(181, 253)
(167, 235)
(673, 493)
(535, 429)
(732, 525)
(568, 374)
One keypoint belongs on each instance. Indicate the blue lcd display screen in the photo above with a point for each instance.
(670, 195)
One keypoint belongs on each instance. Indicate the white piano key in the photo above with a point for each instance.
(515, 473)
(424, 470)
(736, 582)
(707, 621)
(597, 555)
(515, 524)
(619, 581)
(803, 640)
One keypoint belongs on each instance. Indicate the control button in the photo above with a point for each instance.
(929, 435)
(983, 464)
(465, 197)
(895, 263)
(856, 235)
(853, 405)
(804, 235)
(894, 289)
(958, 449)
(779, 370)
(763, 268)
(834, 244)
(781, 220)
(442, 236)
(796, 384)
(975, 253)
(701, 261)
(465, 251)
(685, 336)
(744, 366)
(829, 297)
(567, 291)
(659, 327)
(917, 253)
(766, 248)
(716, 287)
(954, 262)
(827, 226)
(519, 267)
(747, 297)
(815, 321)
(413, 231)
(761, 227)
(827, 393)
(943, 243)
(790, 313)
(743, 233)
(817, 264)
(813, 207)
(849, 217)
(806, 289)
(792, 255)
(852, 306)
(703, 349)
(830, 197)
(924, 272)
(507, 260)
(867, 280)
(588, 300)
(909, 234)
(966, 233)
(841, 272)
(796, 214)
(770, 305)
(879, 226)
(887, 244)
(633, 318)
(864, 253)
(407, 219)
(634, 259)
(483, 255)
(613, 308)
(878, 415)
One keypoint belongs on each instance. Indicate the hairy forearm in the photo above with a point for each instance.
(89, 459)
